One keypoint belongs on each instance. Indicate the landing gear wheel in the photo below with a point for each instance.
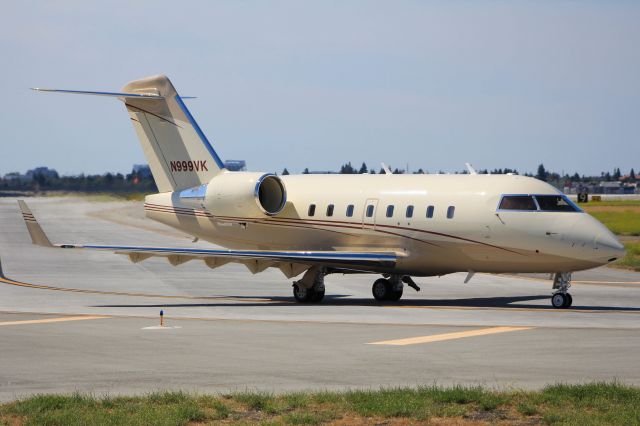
(307, 295)
(381, 289)
(395, 295)
(568, 301)
(560, 300)
(303, 295)
(318, 295)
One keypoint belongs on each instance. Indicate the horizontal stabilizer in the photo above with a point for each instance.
(112, 94)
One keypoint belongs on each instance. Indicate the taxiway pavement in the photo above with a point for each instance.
(86, 321)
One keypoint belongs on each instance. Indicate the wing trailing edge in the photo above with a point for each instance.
(290, 262)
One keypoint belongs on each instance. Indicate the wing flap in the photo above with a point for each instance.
(290, 262)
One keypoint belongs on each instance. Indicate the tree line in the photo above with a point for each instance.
(107, 182)
(542, 174)
(144, 183)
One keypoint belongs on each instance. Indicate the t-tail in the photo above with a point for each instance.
(179, 154)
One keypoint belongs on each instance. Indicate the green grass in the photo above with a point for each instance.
(612, 203)
(588, 404)
(623, 222)
(631, 260)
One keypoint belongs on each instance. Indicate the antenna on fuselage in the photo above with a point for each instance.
(387, 170)
(472, 171)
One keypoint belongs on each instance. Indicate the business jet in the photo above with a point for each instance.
(395, 226)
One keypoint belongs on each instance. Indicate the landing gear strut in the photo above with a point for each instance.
(561, 298)
(310, 288)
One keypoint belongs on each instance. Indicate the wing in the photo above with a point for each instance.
(291, 263)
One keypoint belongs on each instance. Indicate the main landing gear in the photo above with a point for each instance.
(561, 298)
(391, 289)
(310, 288)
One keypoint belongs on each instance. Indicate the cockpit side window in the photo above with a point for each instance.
(556, 203)
(518, 202)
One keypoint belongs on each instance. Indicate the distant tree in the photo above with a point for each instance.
(575, 177)
(542, 173)
(632, 175)
(420, 172)
(347, 169)
(607, 176)
(397, 171)
(306, 171)
(381, 172)
(363, 168)
(616, 174)
(285, 172)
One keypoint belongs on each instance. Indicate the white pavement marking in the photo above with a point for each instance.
(161, 327)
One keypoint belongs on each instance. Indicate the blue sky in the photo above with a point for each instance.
(315, 84)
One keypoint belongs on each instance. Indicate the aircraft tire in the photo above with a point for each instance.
(304, 295)
(569, 301)
(395, 295)
(559, 300)
(381, 290)
(317, 296)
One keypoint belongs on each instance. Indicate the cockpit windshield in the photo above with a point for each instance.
(556, 203)
(517, 202)
(545, 203)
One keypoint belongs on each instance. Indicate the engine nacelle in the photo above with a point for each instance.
(245, 194)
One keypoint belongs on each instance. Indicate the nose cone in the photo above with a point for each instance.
(592, 241)
(609, 246)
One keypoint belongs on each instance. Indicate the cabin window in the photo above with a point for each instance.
(451, 211)
(390, 210)
(330, 210)
(430, 212)
(556, 203)
(350, 210)
(312, 210)
(518, 202)
(409, 211)
(370, 208)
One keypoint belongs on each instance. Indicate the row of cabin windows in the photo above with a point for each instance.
(390, 208)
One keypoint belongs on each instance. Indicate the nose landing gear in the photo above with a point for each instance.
(561, 298)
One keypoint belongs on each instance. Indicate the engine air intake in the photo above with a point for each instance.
(270, 194)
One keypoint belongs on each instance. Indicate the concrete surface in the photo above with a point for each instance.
(242, 331)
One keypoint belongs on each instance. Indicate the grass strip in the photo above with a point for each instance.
(631, 260)
(585, 404)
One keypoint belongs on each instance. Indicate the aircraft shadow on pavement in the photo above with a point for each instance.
(502, 302)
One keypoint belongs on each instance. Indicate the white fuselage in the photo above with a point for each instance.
(477, 236)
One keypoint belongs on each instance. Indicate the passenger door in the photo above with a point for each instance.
(369, 213)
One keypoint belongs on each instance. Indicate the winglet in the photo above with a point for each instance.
(35, 230)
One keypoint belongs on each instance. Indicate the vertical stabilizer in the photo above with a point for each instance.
(179, 154)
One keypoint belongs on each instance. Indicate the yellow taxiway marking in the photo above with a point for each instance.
(449, 336)
(604, 282)
(5, 280)
(48, 320)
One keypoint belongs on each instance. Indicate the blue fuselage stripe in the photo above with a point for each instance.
(303, 255)
(203, 138)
